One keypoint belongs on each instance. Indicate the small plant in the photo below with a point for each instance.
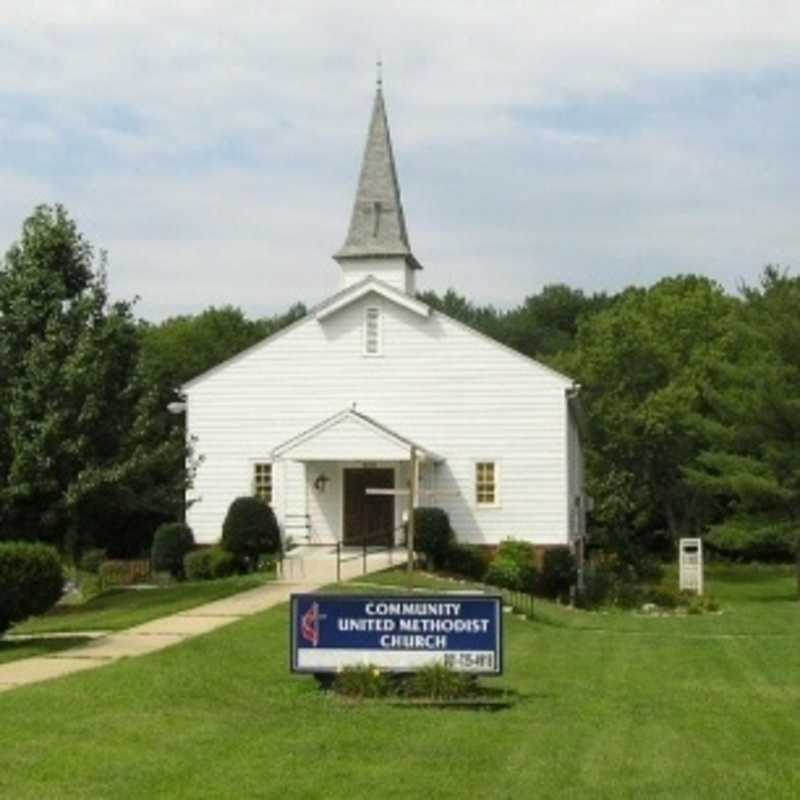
(222, 563)
(210, 563)
(362, 681)
(171, 543)
(513, 567)
(31, 580)
(250, 530)
(433, 535)
(439, 682)
(197, 565)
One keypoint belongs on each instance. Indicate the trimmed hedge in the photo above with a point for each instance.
(170, 544)
(250, 530)
(433, 535)
(31, 580)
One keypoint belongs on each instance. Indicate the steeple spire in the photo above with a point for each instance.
(377, 227)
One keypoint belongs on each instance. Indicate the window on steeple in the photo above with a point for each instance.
(373, 335)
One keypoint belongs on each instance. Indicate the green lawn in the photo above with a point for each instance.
(116, 609)
(610, 706)
(27, 648)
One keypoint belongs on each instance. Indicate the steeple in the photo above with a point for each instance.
(377, 240)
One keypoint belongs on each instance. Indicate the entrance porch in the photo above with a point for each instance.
(347, 481)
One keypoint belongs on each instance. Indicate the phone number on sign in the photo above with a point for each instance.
(469, 661)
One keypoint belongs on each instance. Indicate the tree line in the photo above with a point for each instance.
(691, 397)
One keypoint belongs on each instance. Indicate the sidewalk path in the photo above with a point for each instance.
(166, 631)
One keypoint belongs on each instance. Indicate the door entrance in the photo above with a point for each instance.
(368, 518)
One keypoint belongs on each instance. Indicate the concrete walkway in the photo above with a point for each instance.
(306, 576)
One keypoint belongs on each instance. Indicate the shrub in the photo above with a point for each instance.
(364, 680)
(197, 565)
(439, 682)
(433, 535)
(598, 581)
(31, 580)
(170, 544)
(505, 573)
(92, 559)
(250, 530)
(222, 563)
(467, 560)
(514, 567)
(210, 563)
(559, 573)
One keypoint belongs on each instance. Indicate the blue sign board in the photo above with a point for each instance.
(400, 633)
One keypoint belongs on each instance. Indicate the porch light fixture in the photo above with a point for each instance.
(320, 482)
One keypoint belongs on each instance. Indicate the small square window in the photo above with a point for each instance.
(262, 482)
(372, 332)
(486, 483)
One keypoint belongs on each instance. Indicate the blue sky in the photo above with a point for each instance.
(213, 148)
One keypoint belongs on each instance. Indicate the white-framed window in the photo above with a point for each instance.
(373, 333)
(486, 483)
(262, 481)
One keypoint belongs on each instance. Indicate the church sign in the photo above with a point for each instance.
(398, 633)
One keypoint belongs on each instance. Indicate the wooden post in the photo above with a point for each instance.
(412, 502)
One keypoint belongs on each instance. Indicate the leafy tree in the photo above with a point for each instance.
(180, 348)
(644, 362)
(750, 462)
(68, 357)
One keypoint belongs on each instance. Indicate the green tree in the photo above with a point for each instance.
(68, 356)
(750, 461)
(644, 363)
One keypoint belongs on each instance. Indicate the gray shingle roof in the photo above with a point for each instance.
(378, 226)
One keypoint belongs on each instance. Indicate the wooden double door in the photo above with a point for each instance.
(368, 518)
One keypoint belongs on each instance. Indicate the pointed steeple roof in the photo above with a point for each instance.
(378, 225)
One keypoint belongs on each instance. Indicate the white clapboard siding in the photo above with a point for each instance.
(453, 391)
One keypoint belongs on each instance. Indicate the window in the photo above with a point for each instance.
(262, 482)
(372, 331)
(486, 483)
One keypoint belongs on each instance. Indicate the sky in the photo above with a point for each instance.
(213, 148)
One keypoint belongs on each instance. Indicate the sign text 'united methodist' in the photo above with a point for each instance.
(398, 633)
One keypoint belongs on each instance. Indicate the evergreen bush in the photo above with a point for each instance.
(558, 574)
(250, 530)
(468, 561)
(31, 580)
(170, 544)
(433, 535)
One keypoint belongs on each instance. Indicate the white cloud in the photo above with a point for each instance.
(212, 147)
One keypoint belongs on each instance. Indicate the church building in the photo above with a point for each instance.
(328, 419)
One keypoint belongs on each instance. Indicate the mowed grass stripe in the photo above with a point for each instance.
(606, 716)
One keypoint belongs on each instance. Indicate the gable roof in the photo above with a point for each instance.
(364, 287)
(350, 435)
(378, 224)
(351, 294)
